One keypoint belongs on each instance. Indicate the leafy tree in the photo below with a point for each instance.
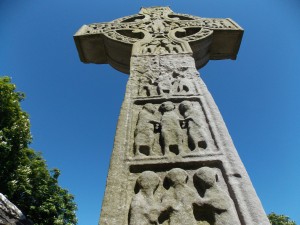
(24, 176)
(276, 219)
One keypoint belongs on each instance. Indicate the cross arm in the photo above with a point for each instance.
(222, 35)
(99, 43)
(89, 44)
(226, 40)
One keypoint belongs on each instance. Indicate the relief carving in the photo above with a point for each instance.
(152, 47)
(172, 47)
(147, 85)
(216, 207)
(183, 84)
(158, 26)
(176, 128)
(196, 135)
(171, 132)
(175, 83)
(164, 85)
(144, 132)
(164, 76)
(144, 209)
(161, 46)
(155, 30)
(180, 200)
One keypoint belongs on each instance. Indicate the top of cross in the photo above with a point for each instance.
(158, 31)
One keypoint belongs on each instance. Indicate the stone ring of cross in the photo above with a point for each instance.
(158, 31)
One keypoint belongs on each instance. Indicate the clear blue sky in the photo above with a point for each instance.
(74, 106)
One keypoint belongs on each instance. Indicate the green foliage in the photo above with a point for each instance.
(24, 176)
(280, 219)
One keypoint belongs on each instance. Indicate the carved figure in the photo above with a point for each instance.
(185, 85)
(161, 48)
(146, 86)
(158, 26)
(144, 209)
(151, 47)
(196, 135)
(164, 84)
(171, 132)
(217, 206)
(144, 132)
(178, 201)
(172, 47)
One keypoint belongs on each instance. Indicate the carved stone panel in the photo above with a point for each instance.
(157, 77)
(169, 128)
(178, 196)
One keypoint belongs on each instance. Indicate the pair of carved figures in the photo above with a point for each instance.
(166, 84)
(181, 204)
(170, 127)
(161, 46)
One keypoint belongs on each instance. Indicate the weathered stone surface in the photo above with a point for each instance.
(158, 31)
(173, 162)
(10, 214)
(216, 207)
(144, 208)
(179, 131)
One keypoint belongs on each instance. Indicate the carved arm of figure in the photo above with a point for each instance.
(188, 118)
(151, 81)
(155, 82)
(149, 77)
(156, 124)
(219, 205)
(165, 209)
(199, 201)
(184, 123)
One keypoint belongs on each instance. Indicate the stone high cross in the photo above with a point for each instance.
(173, 160)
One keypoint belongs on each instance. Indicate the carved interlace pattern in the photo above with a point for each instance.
(159, 30)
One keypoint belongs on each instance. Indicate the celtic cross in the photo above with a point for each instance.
(173, 160)
(158, 31)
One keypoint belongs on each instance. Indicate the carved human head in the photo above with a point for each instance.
(184, 106)
(177, 176)
(167, 106)
(205, 176)
(148, 180)
(149, 107)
